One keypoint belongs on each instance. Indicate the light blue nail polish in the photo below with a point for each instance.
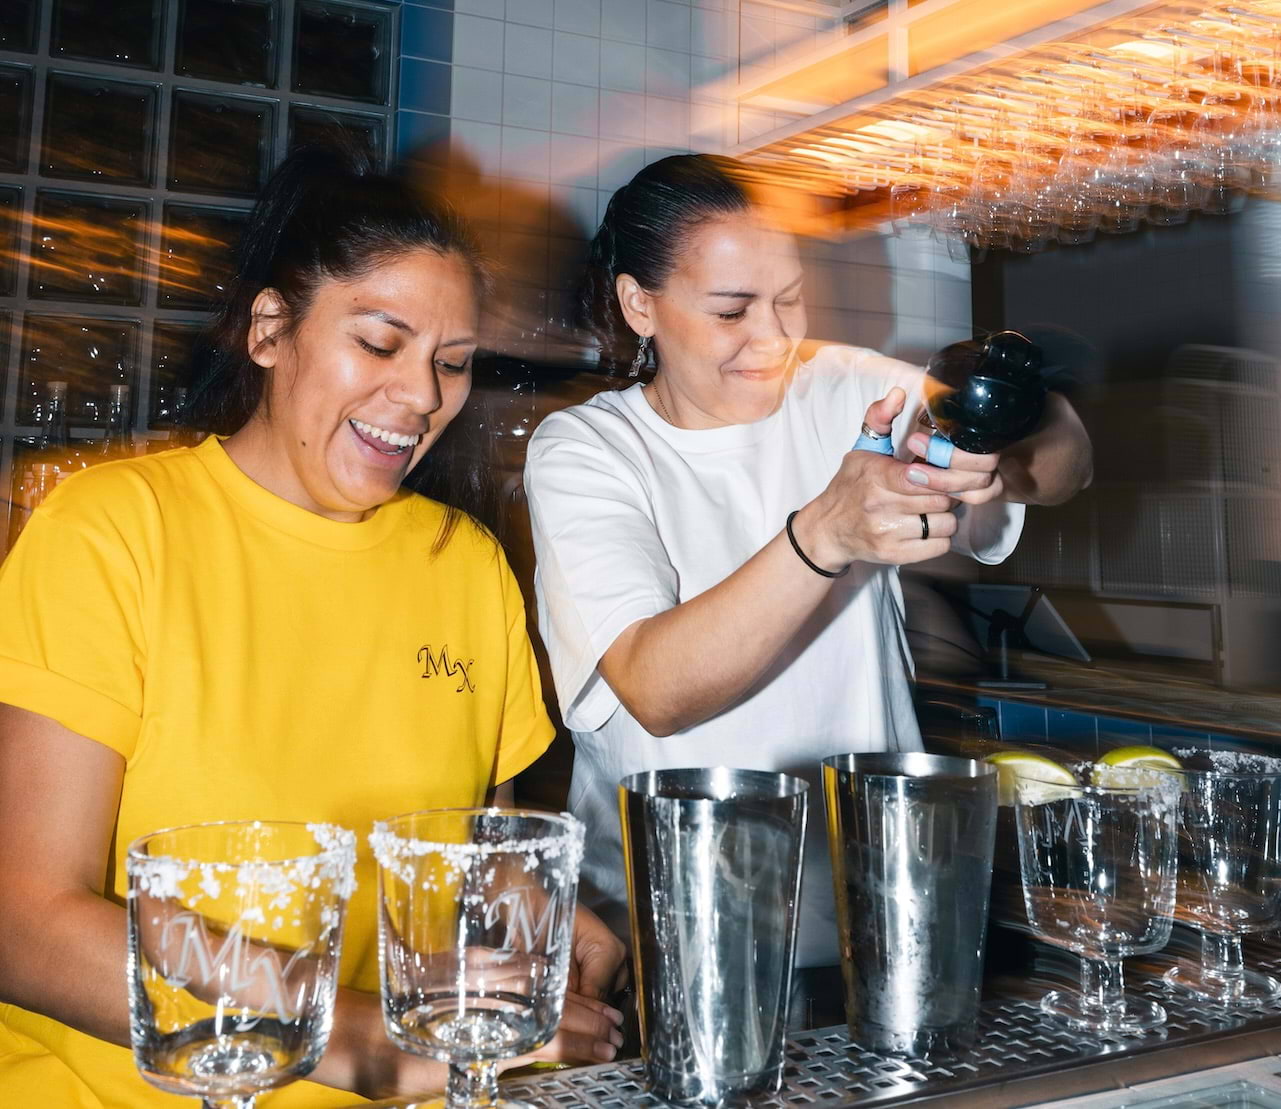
(916, 477)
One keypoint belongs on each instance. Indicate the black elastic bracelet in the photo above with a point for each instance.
(801, 554)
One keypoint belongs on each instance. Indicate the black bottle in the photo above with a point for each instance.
(983, 395)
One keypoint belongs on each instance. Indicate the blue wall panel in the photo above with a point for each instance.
(426, 51)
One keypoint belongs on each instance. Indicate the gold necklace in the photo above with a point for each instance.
(661, 406)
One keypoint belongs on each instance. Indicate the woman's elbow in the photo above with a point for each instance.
(655, 719)
(626, 669)
(1085, 478)
(1075, 453)
(1079, 475)
(659, 728)
(22, 913)
(1060, 492)
(1053, 477)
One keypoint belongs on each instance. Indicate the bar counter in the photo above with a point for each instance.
(1176, 701)
(1020, 1058)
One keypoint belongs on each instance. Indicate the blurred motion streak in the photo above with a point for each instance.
(183, 262)
(1147, 117)
(70, 251)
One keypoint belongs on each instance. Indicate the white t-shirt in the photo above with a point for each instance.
(632, 516)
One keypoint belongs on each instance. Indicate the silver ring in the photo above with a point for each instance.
(873, 435)
(925, 526)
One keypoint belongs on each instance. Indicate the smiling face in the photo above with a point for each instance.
(362, 386)
(726, 324)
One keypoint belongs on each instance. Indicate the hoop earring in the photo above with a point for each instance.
(642, 357)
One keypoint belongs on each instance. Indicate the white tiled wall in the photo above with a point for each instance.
(568, 99)
(629, 75)
(903, 296)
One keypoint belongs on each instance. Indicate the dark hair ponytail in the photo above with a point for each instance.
(643, 233)
(325, 215)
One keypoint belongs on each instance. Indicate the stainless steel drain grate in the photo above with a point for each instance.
(1015, 1041)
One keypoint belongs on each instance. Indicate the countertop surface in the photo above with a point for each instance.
(1020, 1057)
(1168, 694)
(1253, 1084)
(1193, 1089)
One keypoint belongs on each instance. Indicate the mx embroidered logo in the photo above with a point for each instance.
(436, 663)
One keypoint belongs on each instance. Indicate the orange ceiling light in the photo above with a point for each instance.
(1162, 111)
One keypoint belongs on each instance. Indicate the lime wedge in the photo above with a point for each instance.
(1124, 765)
(1140, 756)
(1033, 778)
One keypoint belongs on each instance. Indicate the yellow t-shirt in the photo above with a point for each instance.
(252, 660)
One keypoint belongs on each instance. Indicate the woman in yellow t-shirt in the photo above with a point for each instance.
(267, 626)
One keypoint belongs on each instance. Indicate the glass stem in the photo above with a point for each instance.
(1223, 965)
(1103, 987)
(472, 1085)
(228, 1103)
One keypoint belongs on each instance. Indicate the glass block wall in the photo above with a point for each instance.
(133, 136)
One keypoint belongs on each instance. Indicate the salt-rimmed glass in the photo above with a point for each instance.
(1099, 868)
(475, 927)
(235, 931)
(1229, 873)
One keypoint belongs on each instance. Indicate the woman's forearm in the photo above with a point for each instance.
(1052, 464)
(684, 665)
(362, 1059)
(63, 956)
(62, 946)
(63, 943)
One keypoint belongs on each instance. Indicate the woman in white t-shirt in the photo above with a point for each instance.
(717, 570)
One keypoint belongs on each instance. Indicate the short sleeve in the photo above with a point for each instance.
(72, 644)
(601, 564)
(525, 732)
(988, 533)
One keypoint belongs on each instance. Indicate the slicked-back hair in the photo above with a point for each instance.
(644, 231)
